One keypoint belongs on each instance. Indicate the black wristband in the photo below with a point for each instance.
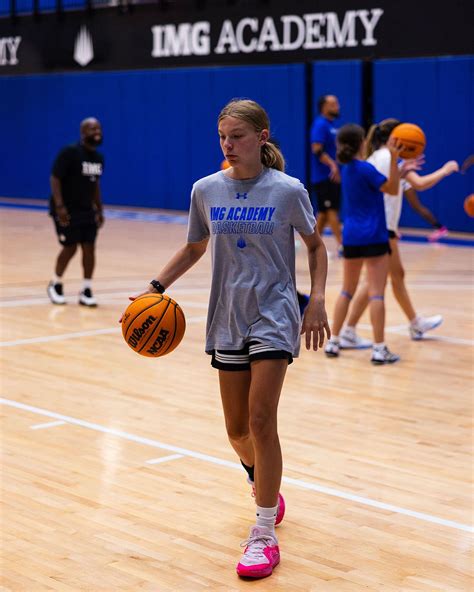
(158, 287)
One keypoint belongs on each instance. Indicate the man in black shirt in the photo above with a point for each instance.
(76, 207)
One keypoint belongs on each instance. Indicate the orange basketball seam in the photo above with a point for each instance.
(156, 325)
(138, 314)
(170, 342)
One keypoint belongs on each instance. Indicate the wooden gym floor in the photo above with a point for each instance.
(116, 471)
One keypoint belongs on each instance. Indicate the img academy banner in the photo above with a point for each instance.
(195, 33)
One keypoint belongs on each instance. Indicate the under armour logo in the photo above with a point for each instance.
(241, 195)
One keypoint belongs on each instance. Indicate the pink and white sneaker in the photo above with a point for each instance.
(437, 234)
(281, 504)
(261, 554)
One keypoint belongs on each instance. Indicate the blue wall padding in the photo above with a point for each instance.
(343, 79)
(160, 126)
(436, 94)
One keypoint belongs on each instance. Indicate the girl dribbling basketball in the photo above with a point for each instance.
(249, 212)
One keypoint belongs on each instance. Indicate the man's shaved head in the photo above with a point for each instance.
(88, 122)
(91, 132)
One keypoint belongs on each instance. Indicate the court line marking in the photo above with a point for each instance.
(64, 336)
(218, 461)
(49, 424)
(102, 297)
(399, 330)
(161, 459)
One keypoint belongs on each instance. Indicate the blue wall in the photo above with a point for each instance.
(436, 94)
(160, 125)
(343, 79)
(160, 129)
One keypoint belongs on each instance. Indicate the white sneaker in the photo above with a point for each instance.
(424, 324)
(86, 298)
(350, 340)
(331, 349)
(383, 356)
(55, 293)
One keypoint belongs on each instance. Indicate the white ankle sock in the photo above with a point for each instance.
(266, 517)
(56, 279)
(379, 346)
(87, 284)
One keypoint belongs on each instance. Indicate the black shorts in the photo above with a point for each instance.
(362, 251)
(392, 234)
(82, 228)
(240, 359)
(326, 195)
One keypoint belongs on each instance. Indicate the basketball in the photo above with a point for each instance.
(412, 137)
(153, 325)
(225, 165)
(469, 205)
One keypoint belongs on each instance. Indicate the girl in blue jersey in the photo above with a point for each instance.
(248, 213)
(379, 156)
(365, 235)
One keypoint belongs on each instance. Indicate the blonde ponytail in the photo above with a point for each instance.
(369, 146)
(379, 134)
(272, 157)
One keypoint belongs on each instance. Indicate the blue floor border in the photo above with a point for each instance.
(119, 214)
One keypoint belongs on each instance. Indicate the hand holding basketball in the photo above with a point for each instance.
(395, 147)
(411, 137)
(153, 325)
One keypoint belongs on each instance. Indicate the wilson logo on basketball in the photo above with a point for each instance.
(138, 333)
(159, 341)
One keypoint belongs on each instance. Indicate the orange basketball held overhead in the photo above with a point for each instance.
(412, 137)
(469, 205)
(153, 325)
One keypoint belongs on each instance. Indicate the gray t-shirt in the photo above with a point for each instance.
(251, 224)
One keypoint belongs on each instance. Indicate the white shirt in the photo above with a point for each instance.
(393, 204)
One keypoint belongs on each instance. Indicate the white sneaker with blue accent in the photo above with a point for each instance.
(383, 356)
(348, 339)
(424, 324)
(332, 349)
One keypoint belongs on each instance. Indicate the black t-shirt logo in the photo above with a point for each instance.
(92, 169)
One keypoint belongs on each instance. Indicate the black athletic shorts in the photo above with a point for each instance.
(358, 251)
(392, 234)
(327, 195)
(82, 228)
(240, 359)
